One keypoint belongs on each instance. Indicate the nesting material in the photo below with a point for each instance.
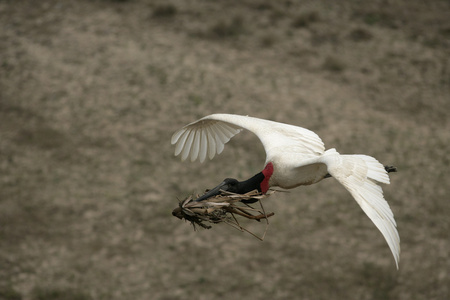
(225, 208)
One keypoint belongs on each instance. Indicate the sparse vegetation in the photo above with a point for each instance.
(228, 28)
(44, 293)
(306, 19)
(360, 35)
(268, 40)
(195, 99)
(164, 11)
(8, 293)
(380, 18)
(333, 64)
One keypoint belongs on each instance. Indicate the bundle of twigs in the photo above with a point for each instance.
(223, 208)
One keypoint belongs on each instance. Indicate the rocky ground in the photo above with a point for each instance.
(91, 92)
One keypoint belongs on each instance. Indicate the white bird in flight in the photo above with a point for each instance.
(294, 156)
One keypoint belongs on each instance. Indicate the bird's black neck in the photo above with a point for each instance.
(254, 183)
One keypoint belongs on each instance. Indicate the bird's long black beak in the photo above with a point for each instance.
(215, 191)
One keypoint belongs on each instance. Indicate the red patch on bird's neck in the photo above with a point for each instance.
(267, 172)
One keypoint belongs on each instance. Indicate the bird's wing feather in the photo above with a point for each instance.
(360, 174)
(208, 136)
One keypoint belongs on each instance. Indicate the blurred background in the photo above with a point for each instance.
(91, 92)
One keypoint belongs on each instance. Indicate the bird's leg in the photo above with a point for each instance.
(389, 169)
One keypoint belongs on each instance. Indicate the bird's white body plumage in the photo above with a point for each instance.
(299, 158)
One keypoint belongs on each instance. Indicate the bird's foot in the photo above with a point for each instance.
(390, 169)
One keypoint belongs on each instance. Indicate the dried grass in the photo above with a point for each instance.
(223, 208)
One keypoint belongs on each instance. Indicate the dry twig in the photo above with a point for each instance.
(223, 208)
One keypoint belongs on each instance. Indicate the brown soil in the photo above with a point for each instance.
(91, 91)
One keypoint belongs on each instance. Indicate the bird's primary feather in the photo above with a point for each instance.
(220, 128)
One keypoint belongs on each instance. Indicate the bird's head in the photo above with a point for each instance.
(228, 184)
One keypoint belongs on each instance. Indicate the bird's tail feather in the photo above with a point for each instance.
(375, 170)
(360, 175)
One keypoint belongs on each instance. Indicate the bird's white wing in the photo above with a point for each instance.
(360, 175)
(207, 136)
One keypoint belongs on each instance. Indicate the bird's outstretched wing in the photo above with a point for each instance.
(207, 136)
(360, 174)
